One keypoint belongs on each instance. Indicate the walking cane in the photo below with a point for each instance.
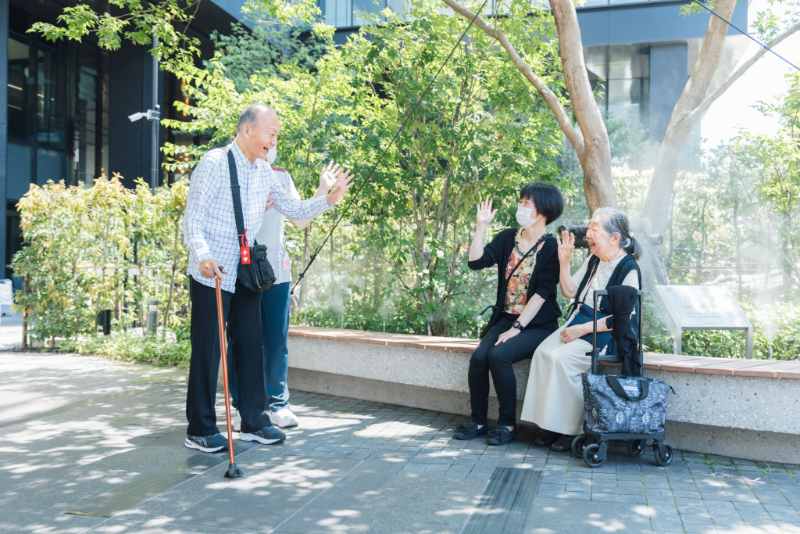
(232, 471)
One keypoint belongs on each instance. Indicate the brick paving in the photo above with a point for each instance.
(697, 493)
(64, 414)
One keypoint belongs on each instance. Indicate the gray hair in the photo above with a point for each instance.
(252, 114)
(616, 222)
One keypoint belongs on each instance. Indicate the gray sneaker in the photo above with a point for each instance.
(213, 443)
(267, 435)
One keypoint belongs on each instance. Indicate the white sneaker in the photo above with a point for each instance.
(283, 418)
(237, 421)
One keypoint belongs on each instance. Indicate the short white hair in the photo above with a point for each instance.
(252, 114)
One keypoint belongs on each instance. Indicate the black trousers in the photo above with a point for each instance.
(500, 360)
(244, 309)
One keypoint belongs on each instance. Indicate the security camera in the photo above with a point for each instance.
(136, 116)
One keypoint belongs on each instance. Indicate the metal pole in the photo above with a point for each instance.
(749, 349)
(154, 124)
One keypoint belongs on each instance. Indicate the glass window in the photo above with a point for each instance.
(85, 157)
(51, 85)
(339, 13)
(49, 165)
(105, 118)
(19, 170)
(19, 126)
(366, 6)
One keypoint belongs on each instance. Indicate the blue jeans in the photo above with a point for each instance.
(274, 331)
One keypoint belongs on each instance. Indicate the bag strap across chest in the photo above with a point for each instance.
(236, 194)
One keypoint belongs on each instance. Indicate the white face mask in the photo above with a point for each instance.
(272, 155)
(524, 217)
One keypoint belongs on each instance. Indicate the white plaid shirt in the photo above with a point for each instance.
(209, 225)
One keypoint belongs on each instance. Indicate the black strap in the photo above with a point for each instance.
(236, 195)
(494, 307)
(591, 268)
(544, 236)
(617, 388)
(487, 308)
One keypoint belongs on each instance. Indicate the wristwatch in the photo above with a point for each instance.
(518, 326)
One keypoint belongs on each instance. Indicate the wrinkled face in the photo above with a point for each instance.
(601, 243)
(528, 203)
(262, 135)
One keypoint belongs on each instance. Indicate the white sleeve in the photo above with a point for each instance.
(204, 188)
(580, 273)
(632, 279)
(292, 189)
(294, 208)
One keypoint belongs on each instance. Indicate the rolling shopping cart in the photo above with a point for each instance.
(617, 408)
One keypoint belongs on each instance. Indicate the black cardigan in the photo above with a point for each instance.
(543, 280)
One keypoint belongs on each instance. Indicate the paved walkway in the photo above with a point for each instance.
(93, 436)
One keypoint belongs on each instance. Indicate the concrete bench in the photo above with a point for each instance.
(732, 407)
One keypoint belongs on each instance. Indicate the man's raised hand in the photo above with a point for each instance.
(328, 176)
(485, 213)
(344, 181)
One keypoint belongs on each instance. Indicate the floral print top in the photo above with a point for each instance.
(517, 293)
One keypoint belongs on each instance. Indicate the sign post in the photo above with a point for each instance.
(704, 308)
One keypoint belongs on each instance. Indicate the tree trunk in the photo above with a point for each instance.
(172, 276)
(595, 159)
(736, 236)
(589, 138)
(26, 312)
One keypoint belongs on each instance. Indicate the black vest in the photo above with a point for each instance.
(623, 268)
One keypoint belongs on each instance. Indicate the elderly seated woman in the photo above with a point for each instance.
(554, 397)
(526, 310)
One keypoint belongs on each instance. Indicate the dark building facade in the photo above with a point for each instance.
(58, 101)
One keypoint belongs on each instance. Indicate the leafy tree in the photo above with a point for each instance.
(264, 48)
(479, 132)
(99, 248)
(772, 27)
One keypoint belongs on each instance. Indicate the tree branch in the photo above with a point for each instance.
(562, 117)
(710, 99)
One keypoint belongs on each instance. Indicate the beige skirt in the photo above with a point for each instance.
(554, 396)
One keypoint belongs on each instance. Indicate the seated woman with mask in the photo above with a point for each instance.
(554, 398)
(526, 311)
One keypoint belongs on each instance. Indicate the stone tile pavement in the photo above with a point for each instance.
(76, 428)
(697, 493)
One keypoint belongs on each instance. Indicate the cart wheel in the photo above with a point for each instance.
(636, 447)
(591, 457)
(663, 461)
(579, 445)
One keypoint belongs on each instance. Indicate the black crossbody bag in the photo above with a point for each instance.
(255, 271)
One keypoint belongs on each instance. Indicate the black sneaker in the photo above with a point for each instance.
(267, 435)
(470, 431)
(213, 443)
(501, 435)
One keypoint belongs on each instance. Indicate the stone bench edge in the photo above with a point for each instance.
(786, 369)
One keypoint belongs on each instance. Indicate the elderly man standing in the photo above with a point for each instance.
(209, 228)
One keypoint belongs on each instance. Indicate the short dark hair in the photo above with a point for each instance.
(546, 197)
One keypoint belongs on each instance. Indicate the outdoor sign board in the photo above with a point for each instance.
(704, 308)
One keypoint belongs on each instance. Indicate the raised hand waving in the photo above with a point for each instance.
(485, 213)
